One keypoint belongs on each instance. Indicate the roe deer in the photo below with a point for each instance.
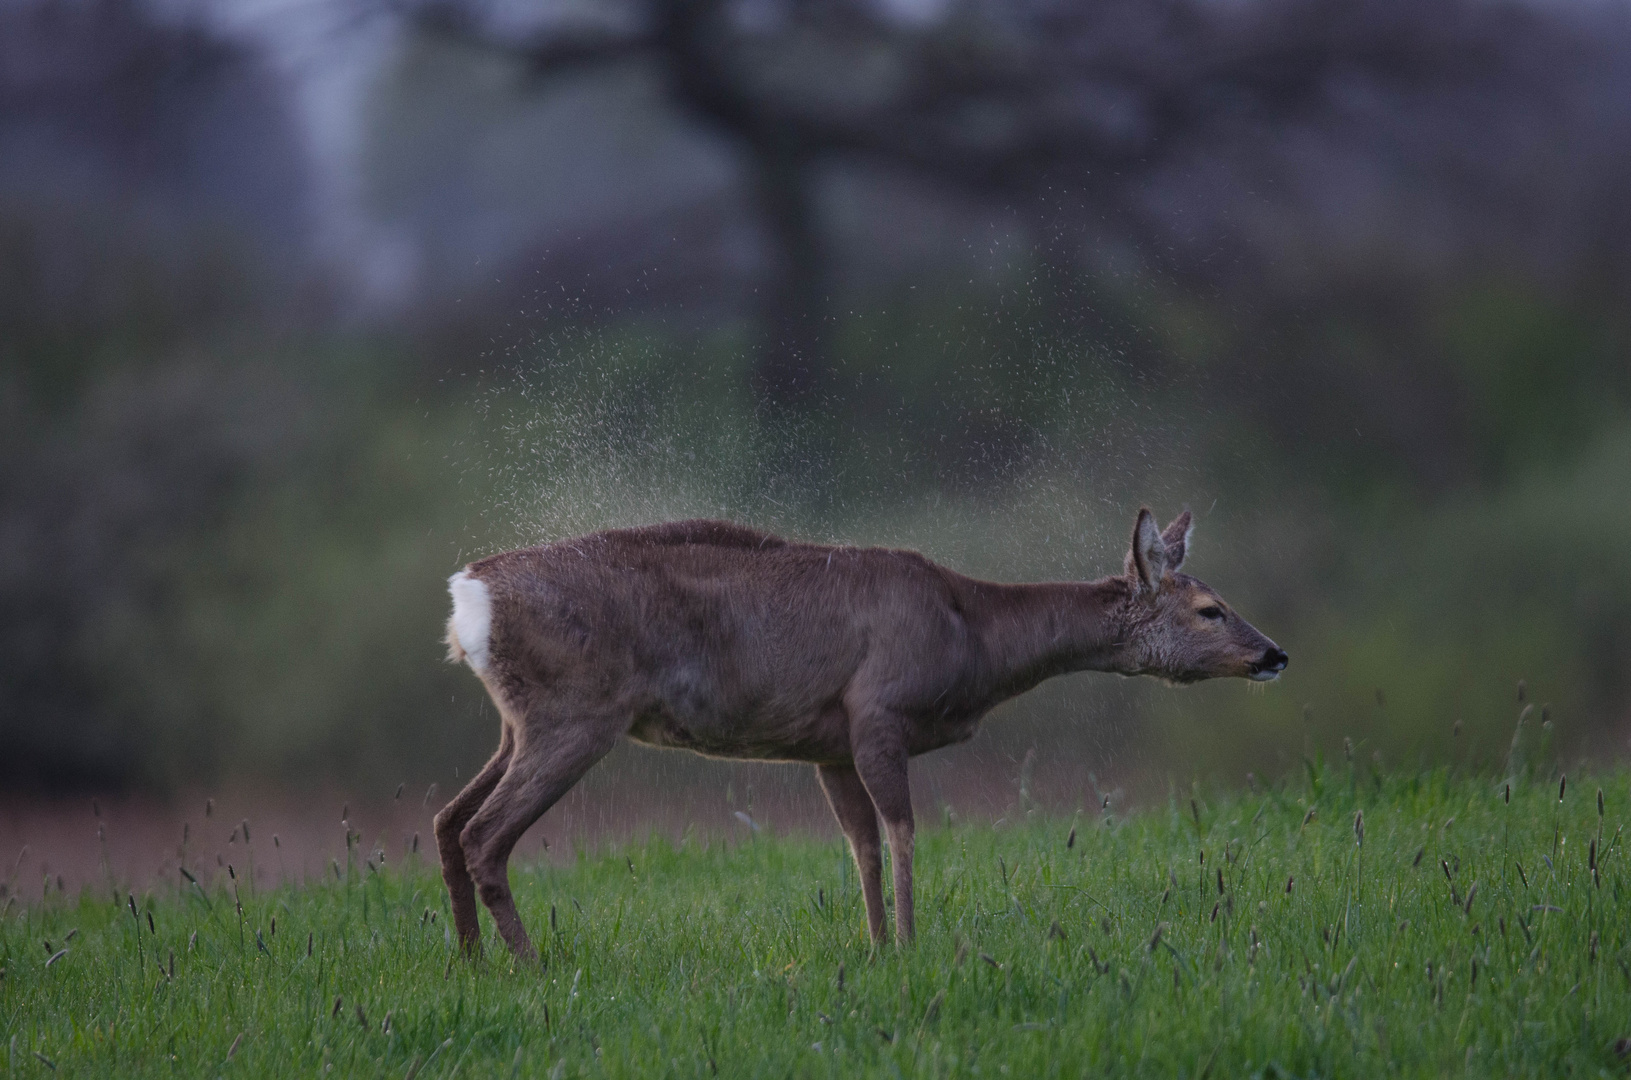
(734, 643)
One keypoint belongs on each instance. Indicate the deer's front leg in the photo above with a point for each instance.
(880, 761)
(852, 806)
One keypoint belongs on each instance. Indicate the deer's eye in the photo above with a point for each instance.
(1211, 611)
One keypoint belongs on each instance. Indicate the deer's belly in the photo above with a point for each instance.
(758, 735)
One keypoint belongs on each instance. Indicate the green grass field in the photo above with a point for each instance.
(1246, 936)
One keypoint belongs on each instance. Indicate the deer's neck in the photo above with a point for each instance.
(1029, 633)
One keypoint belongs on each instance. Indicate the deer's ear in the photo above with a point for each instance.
(1147, 561)
(1176, 539)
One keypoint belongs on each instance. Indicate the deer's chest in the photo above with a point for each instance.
(945, 727)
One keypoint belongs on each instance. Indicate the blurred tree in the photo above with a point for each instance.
(1083, 117)
(152, 197)
(152, 184)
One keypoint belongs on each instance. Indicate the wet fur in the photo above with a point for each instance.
(731, 642)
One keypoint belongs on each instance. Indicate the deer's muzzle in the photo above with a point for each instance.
(1269, 667)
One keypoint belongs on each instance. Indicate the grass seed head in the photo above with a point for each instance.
(1562, 786)
(1359, 833)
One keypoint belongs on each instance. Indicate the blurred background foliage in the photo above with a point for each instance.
(301, 307)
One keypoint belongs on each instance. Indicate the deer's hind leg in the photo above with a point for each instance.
(551, 755)
(450, 822)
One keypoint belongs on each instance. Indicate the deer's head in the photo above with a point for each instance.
(1175, 626)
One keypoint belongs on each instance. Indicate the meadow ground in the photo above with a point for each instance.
(1447, 932)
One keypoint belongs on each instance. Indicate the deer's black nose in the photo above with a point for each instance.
(1273, 660)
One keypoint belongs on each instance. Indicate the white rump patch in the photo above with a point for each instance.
(469, 629)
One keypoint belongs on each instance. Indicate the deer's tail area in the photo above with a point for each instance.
(470, 626)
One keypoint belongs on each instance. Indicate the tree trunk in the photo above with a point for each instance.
(792, 366)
